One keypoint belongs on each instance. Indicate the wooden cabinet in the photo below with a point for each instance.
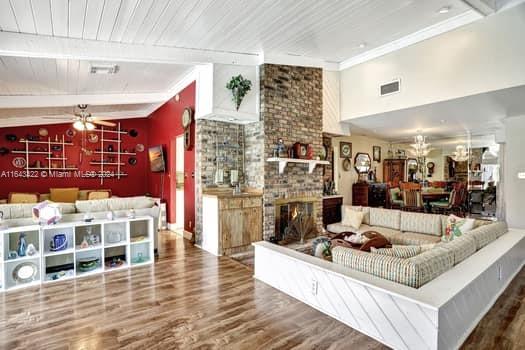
(394, 171)
(332, 210)
(360, 194)
(231, 224)
(369, 194)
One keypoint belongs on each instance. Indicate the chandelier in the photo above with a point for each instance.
(420, 146)
(461, 154)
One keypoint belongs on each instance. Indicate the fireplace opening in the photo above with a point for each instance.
(294, 220)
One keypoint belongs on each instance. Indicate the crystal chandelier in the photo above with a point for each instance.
(460, 154)
(420, 146)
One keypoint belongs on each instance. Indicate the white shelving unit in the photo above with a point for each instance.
(118, 244)
(311, 163)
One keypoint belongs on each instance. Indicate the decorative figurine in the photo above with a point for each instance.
(31, 250)
(22, 245)
(84, 243)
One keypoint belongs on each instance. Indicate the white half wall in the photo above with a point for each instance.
(332, 104)
(486, 55)
(514, 188)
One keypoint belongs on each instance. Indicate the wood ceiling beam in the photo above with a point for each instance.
(30, 45)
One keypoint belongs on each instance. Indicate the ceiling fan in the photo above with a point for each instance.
(83, 121)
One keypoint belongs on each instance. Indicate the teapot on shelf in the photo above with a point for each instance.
(59, 242)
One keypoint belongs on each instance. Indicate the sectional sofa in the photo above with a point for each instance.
(413, 229)
(430, 301)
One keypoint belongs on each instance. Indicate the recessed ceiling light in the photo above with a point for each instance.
(444, 9)
(362, 45)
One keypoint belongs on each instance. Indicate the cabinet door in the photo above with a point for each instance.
(252, 225)
(232, 228)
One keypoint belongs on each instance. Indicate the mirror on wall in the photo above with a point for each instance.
(362, 163)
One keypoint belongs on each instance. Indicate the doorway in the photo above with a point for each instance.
(179, 182)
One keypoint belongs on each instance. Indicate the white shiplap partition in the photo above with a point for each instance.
(439, 315)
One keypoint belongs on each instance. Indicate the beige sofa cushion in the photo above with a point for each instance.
(385, 218)
(366, 210)
(413, 272)
(92, 206)
(352, 218)
(339, 227)
(462, 247)
(415, 238)
(422, 223)
(388, 233)
(485, 234)
(126, 203)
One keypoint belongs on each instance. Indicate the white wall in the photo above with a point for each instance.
(486, 55)
(438, 158)
(514, 188)
(345, 179)
(331, 104)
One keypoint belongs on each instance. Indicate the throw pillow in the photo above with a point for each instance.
(457, 226)
(398, 251)
(18, 197)
(64, 195)
(352, 218)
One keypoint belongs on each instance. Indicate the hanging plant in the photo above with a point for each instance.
(239, 88)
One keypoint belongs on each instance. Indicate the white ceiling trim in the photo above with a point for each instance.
(424, 34)
(298, 60)
(30, 45)
(33, 101)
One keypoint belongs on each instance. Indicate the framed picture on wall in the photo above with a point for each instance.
(345, 150)
(376, 154)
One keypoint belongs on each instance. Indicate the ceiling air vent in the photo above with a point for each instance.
(390, 87)
(104, 69)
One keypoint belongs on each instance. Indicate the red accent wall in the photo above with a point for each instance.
(131, 185)
(165, 125)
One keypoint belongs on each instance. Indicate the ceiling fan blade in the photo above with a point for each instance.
(103, 122)
(57, 118)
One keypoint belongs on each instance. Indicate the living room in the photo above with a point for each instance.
(243, 174)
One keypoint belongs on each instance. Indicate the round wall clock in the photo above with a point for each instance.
(19, 162)
(187, 115)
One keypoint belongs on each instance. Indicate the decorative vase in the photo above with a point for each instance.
(22, 245)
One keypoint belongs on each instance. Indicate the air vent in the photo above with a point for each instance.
(104, 69)
(390, 88)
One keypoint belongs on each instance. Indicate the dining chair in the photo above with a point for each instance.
(413, 201)
(455, 204)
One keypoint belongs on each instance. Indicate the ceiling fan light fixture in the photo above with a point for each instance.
(78, 125)
(90, 126)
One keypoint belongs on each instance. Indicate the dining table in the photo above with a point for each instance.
(433, 196)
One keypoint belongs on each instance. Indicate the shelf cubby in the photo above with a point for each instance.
(10, 243)
(115, 257)
(50, 241)
(140, 252)
(10, 268)
(88, 262)
(59, 267)
(92, 233)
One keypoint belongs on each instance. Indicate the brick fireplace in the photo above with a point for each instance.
(291, 109)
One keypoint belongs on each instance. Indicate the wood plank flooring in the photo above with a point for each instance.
(192, 300)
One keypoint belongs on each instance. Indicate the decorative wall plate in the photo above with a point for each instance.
(347, 163)
(187, 115)
(11, 137)
(139, 147)
(93, 138)
(345, 150)
(4, 151)
(132, 160)
(70, 132)
(133, 133)
(19, 162)
(25, 272)
(43, 132)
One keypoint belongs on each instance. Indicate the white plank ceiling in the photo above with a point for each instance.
(43, 76)
(331, 30)
(325, 30)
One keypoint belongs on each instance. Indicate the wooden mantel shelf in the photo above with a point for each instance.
(312, 163)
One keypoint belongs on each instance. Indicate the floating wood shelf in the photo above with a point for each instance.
(282, 162)
(31, 152)
(105, 131)
(121, 153)
(48, 142)
(107, 163)
(111, 140)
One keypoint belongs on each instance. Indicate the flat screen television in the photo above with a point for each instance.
(156, 159)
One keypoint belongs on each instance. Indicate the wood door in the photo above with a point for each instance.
(252, 225)
(232, 228)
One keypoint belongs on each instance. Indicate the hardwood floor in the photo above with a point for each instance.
(192, 300)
